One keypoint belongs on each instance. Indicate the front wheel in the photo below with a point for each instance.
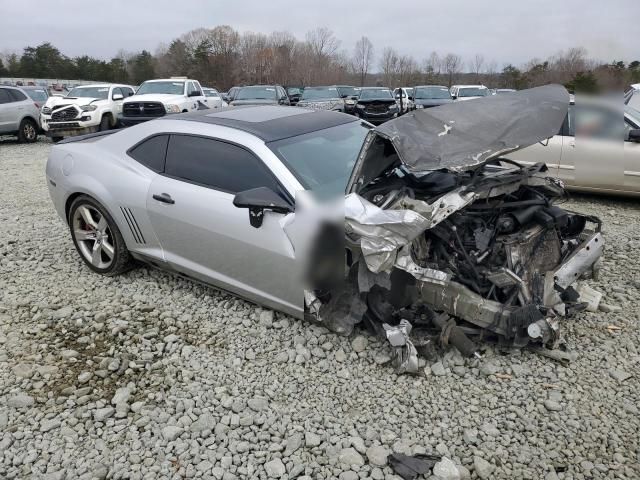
(28, 131)
(105, 124)
(97, 238)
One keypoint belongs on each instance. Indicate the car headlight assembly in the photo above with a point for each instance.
(172, 108)
(360, 106)
(393, 107)
(88, 108)
(350, 102)
(419, 106)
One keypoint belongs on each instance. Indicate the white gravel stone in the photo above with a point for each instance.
(171, 432)
(359, 344)
(445, 469)
(20, 401)
(377, 455)
(482, 468)
(275, 468)
(350, 457)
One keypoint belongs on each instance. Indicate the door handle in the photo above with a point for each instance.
(164, 198)
(572, 144)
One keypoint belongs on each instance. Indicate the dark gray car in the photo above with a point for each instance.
(19, 114)
(261, 95)
(427, 96)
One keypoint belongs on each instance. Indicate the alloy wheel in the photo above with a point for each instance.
(93, 236)
(29, 131)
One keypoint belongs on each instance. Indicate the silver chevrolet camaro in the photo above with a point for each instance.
(430, 216)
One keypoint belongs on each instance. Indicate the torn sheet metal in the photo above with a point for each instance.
(460, 135)
(382, 232)
(406, 263)
(405, 353)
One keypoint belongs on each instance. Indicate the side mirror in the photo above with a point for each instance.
(195, 93)
(454, 96)
(257, 200)
(634, 135)
(117, 96)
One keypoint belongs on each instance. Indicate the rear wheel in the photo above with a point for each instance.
(28, 132)
(97, 238)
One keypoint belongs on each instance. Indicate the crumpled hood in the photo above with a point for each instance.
(54, 101)
(328, 104)
(461, 135)
(157, 97)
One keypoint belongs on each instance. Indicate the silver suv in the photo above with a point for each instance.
(19, 115)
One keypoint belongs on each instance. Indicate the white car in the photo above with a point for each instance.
(632, 96)
(157, 98)
(469, 92)
(589, 153)
(214, 99)
(84, 109)
(407, 99)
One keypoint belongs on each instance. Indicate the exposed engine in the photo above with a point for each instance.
(482, 254)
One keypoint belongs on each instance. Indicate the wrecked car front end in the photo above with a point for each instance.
(446, 244)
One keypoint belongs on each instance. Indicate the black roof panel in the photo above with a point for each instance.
(268, 122)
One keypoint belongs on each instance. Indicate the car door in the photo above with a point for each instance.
(205, 236)
(201, 99)
(631, 158)
(7, 121)
(593, 153)
(548, 151)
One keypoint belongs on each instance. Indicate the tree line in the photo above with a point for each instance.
(223, 57)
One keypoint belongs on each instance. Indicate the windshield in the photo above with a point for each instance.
(256, 93)
(473, 92)
(633, 113)
(294, 91)
(38, 95)
(89, 92)
(348, 91)
(323, 160)
(320, 93)
(432, 93)
(210, 93)
(376, 94)
(169, 88)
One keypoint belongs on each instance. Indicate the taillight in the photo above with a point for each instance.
(37, 105)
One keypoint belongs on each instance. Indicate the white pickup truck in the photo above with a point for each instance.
(157, 98)
(85, 109)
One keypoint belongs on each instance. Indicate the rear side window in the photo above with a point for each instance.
(17, 95)
(151, 152)
(4, 96)
(217, 164)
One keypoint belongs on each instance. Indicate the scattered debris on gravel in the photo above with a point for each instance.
(150, 376)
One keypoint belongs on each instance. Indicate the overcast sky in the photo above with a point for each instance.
(505, 31)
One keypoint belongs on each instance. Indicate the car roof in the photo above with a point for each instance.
(433, 86)
(469, 86)
(268, 122)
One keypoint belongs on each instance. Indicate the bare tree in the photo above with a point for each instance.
(476, 65)
(433, 68)
(389, 66)
(452, 64)
(322, 42)
(362, 58)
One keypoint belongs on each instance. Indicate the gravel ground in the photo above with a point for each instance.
(152, 376)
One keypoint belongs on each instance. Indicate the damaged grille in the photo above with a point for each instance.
(143, 109)
(64, 114)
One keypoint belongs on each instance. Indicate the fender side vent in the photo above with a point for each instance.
(136, 232)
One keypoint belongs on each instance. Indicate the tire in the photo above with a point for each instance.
(105, 124)
(91, 224)
(28, 131)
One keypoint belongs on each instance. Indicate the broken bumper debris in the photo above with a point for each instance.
(452, 245)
